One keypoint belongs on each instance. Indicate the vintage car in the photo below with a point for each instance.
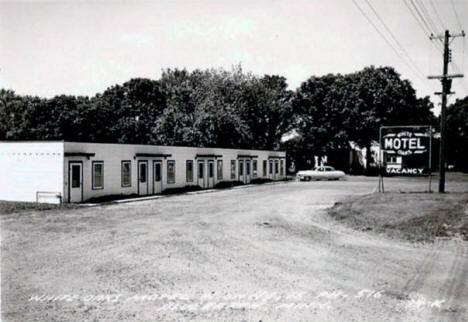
(320, 173)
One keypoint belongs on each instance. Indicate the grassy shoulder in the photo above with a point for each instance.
(410, 216)
(10, 207)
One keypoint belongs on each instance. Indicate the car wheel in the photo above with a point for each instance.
(306, 178)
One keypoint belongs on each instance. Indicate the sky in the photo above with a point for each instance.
(82, 47)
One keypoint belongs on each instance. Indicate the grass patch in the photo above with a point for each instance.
(10, 207)
(228, 184)
(260, 181)
(173, 191)
(109, 198)
(415, 216)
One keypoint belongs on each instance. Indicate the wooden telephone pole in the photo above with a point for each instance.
(446, 81)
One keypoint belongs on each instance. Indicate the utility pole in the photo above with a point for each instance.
(446, 81)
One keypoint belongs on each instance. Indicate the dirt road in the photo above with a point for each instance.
(265, 253)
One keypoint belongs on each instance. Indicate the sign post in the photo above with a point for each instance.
(405, 150)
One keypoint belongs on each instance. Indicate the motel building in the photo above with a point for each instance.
(75, 172)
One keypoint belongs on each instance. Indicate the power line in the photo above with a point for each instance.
(456, 15)
(421, 16)
(422, 26)
(427, 15)
(431, 2)
(402, 48)
(382, 35)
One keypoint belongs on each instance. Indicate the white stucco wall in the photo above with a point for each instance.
(29, 167)
(113, 154)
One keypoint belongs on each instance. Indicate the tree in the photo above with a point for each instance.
(203, 109)
(457, 134)
(319, 117)
(332, 110)
(267, 110)
(127, 112)
(380, 97)
(11, 109)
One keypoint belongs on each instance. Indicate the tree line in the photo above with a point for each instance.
(230, 109)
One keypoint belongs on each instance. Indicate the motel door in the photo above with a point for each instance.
(201, 174)
(75, 182)
(157, 177)
(142, 177)
(211, 174)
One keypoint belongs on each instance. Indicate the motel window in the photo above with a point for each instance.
(241, 168)
(126, 174)
(142, 172)
(171, 171)
(219, 167)
(233, 169)
(264, 168)
(271, 167)
(200, 170)
(247, 167)
(281, 167)
(254, 168)
(98, 175)
(76, 176)
(276, 167)
(189, 171)
(210, 169)
(157, 171)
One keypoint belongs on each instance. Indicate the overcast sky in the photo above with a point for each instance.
(83, 47)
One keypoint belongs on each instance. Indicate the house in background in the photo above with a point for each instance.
(76, 172)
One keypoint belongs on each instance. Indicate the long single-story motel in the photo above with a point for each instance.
(76, 172)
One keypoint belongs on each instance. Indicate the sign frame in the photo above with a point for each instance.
(428, 129)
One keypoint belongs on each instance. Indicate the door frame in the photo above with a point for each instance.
(138, 176)
(154, 175)
(70, 162)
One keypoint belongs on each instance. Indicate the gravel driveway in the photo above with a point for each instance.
(265, 253)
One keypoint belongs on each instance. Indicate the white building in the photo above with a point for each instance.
(76, 172)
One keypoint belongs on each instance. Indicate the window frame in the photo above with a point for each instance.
(187, 177)
(281, 167)
(93, 181)
(169, 179)
(265, 168)
(122, 174)
(254, 168)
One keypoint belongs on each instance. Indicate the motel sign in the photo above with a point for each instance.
(406, 150)
(404, 143)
